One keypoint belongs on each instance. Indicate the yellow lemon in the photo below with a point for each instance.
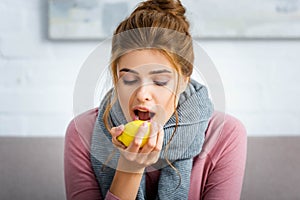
(130, 130)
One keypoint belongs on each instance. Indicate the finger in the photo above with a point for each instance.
(154, 155)
(118, 144)
(137, 141)
(116, 131)
(151, 143)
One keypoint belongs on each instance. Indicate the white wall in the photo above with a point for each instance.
(37, 76)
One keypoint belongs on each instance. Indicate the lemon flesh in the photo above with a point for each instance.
(130, 131)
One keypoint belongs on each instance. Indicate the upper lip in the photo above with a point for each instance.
(141, 108)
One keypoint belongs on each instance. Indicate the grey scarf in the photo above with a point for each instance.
(194, 111)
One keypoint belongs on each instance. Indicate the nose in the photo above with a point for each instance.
(143, 93)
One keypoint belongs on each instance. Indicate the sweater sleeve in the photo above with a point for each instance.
(228, 159)
(80, 180)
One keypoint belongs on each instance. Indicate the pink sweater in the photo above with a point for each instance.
(217, 171)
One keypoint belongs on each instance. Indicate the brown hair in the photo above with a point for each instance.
(159, 25)
(155, 24)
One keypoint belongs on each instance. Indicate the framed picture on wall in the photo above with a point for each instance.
(244, 19)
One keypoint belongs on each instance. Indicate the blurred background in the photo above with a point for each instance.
(255, 46)
(39, 66)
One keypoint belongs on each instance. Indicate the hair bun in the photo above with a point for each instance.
(171, 6)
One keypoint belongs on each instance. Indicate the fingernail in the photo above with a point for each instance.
(120, 127)
(145, 124)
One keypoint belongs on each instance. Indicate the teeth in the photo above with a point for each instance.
(142, 110)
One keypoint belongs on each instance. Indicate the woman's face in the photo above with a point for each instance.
(147, 85)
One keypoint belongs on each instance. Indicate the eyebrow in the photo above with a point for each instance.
(151, 72)
(160, 71)
(128, 70)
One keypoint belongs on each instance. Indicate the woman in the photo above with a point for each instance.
(191, 152)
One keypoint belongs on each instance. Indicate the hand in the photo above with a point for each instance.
(115, 132)
(134, 158)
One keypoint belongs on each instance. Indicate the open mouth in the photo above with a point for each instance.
(144, 115)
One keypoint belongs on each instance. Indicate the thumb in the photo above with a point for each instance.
(116, 131)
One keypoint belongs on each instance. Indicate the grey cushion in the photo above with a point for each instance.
(32, 168)
(272, 169)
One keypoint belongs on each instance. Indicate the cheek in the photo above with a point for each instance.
(121, 95)
(125, 92)
(123, 98)
(168, 103)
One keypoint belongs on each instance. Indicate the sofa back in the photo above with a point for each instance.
(32, 168)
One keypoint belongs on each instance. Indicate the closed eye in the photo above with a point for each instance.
(131, 82)
(161, 83)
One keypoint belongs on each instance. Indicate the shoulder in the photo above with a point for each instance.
(80, 181)
(224, 132)
(81, 127)
(221, 163)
